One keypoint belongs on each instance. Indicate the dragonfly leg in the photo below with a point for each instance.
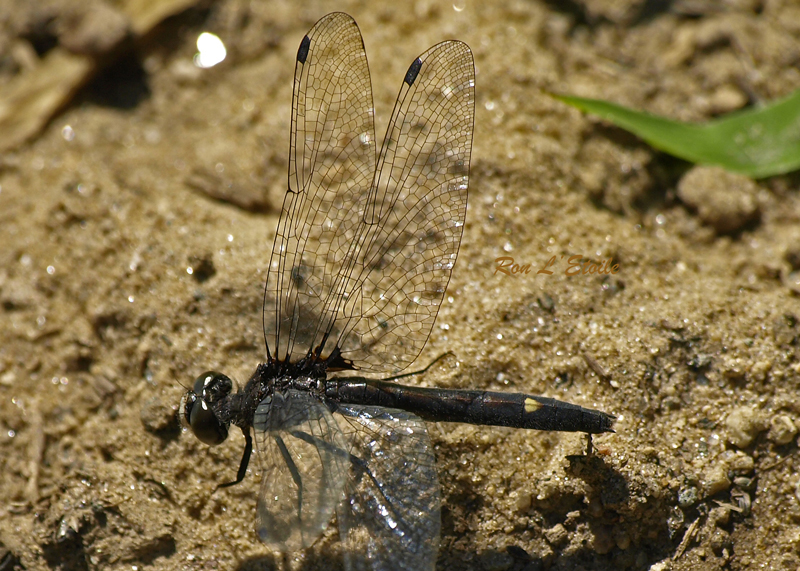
(248, 450)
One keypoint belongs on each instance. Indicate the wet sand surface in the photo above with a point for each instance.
(693, 344)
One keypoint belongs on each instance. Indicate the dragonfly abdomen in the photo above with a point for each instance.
(515, 410)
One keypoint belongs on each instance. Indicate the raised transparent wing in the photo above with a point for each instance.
(362, 257)
(415, 217)
(390, 519)
(304, 466)
(331, 164)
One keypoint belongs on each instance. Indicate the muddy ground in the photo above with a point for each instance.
(693, 344)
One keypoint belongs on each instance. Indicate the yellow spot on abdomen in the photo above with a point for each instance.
(532, 405)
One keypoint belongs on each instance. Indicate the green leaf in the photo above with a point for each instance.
(758, 142)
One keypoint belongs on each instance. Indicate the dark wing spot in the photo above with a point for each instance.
(413, 71)
(302, 52)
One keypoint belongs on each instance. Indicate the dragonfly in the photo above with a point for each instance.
(364, 249)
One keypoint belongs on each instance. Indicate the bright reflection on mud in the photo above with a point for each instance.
(210, 51)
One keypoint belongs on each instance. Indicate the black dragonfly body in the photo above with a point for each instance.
(363, 253)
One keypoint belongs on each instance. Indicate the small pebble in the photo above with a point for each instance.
(720, 516)
(622, 539)
(715, 479)
(743, 424)
(781, 429)
(784, 329)
(556, 535)
(725, 99)
(742, 464)
(603, 541)
(522, 501)
(687, 497)
(723, 200)
(719, 541)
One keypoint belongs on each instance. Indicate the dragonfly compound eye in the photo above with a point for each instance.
(197, 407)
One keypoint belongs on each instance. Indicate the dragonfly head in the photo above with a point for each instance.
(197, 407)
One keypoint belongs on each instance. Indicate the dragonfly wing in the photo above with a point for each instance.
(304, 466)
(413, 222)
(390, 517)
(364, 249)
(331, 166)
